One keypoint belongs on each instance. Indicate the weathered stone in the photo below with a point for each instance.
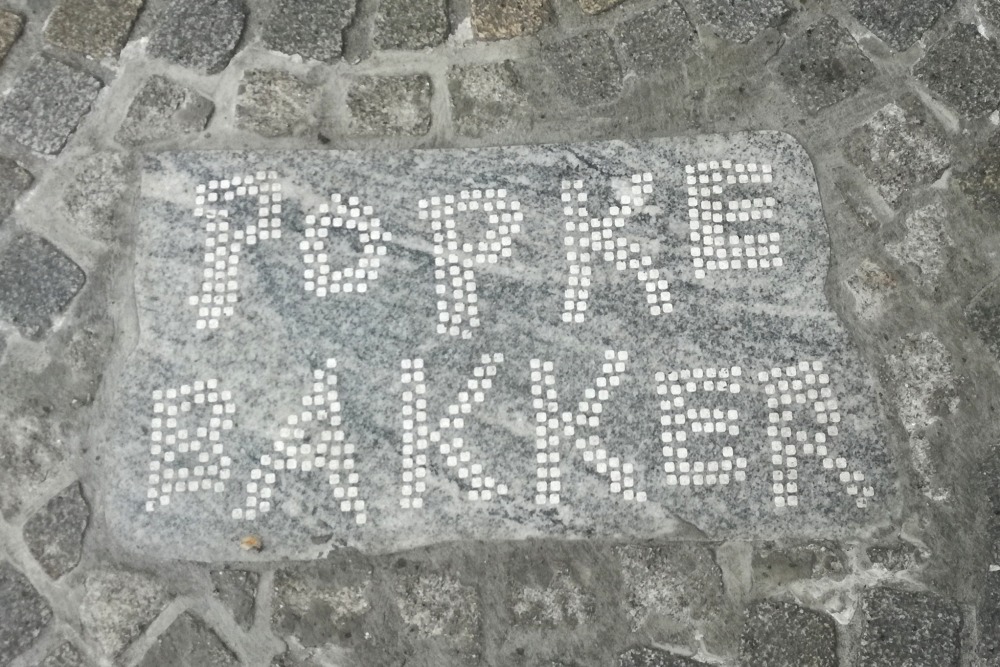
(598, 6)
(25, 614)
(200, 34)
(37, 282)
(656, 38)
(117, 607)
(871, 286)
(486, 98)
(437, 605)
(411, 24)
(65, 655)
(560, 603)
(237, 589)
(988, 619)
(54, 534)
(274, 103)
(162, 110)
(924, 243)
(905, 628)
(503, 19)
(95, 29)
(981, 180)
(46, 103)
(823, 66)
(14, 180)
(649, 657)
(779, 634)
(899, 148)
(189, 642)
(983, 314)
(742, 20)
(390, 105)
(960, 70)
(989, 10)
(585, 68)
(774, 567)
(95, 195)
(10, 29)
(895, 557)
(899, 23)
(312, 29)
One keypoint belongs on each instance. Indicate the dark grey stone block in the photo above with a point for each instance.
(46, 103)
(823, 66)
(742, 20)
(237, 589)
(37, 282)
(65, 655)
(411, 24)
(54, 534)
(988, 618)
(274, 104)
(95, 29)
(503, 19)
(983, 315)
(189, 642)
(200, 34)
(585, 68)
(385, 106)
(779, 634)
(118, 606)
(651, 657)
(486, 98)
(14, 181)
(980, 180)
(906, 628)
(656, 38)
(312, 29)
(162, 110)
(960, 69)
(10, 29)
(25, 614)
(895, 557)
(989, 10)
(899, 23)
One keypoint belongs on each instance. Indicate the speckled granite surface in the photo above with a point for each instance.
(291, 393)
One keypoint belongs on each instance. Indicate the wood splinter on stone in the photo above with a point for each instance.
(251, 543)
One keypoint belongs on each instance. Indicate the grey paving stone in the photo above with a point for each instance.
(411, 24)
(162, 110)
(895, 557)
(899, 23)
(486, 98)
(560, 602)
(906, 628)
(960, 70)
(433, 604)
(585, 68)
(37, 282)
(779, 634)
(983, 315)
(118, 606)
(656, 38)
(54, 534)
(199, 34)
(65, 655)
(980, 180)
(742, 20)
(823, 66)
(988, 619)
(237, 589)
(95, 29)
(25, 614)
(46, 103)
(10, 29)
(598, 6)
(14, 181)
(899, 148)
(94, 197)
(924, 246)
(273, 103)
(503, 19)
(651, 657)
(312, 29)
(189, 642)
(382, 106)
(989, 10)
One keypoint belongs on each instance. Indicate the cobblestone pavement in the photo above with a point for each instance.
(896, 102)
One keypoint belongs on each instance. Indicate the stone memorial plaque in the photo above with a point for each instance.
(381, 350)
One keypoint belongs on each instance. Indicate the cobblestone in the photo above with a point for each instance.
(313, 29)
(390, 105)
(46, 103)
(117, 606)
(65, 655)
(95, 29)
(779, 634)
(503, 19)
(988, 616)
(162, 110)
(199, 34)
(486, 98)
(411, 24)
(54, 534)
(585, 68)
(598, 6)
(823, 66)
(895, 557)
(37, 282)
(657, 38)
(980, 180)
(989, 10)
(871, 286)
(742, 20)
(14, 181)
(189, 642)
(904, 628)
(237, 589)
(959, 69)
(439, 612)
(983, 314)
(899, 23)
(924, 244)
(774, 567)
(648, 657)
(274, 104)
(11, 25)
(96, 192)
(25, 614)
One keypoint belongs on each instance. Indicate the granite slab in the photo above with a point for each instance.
(618, 340)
